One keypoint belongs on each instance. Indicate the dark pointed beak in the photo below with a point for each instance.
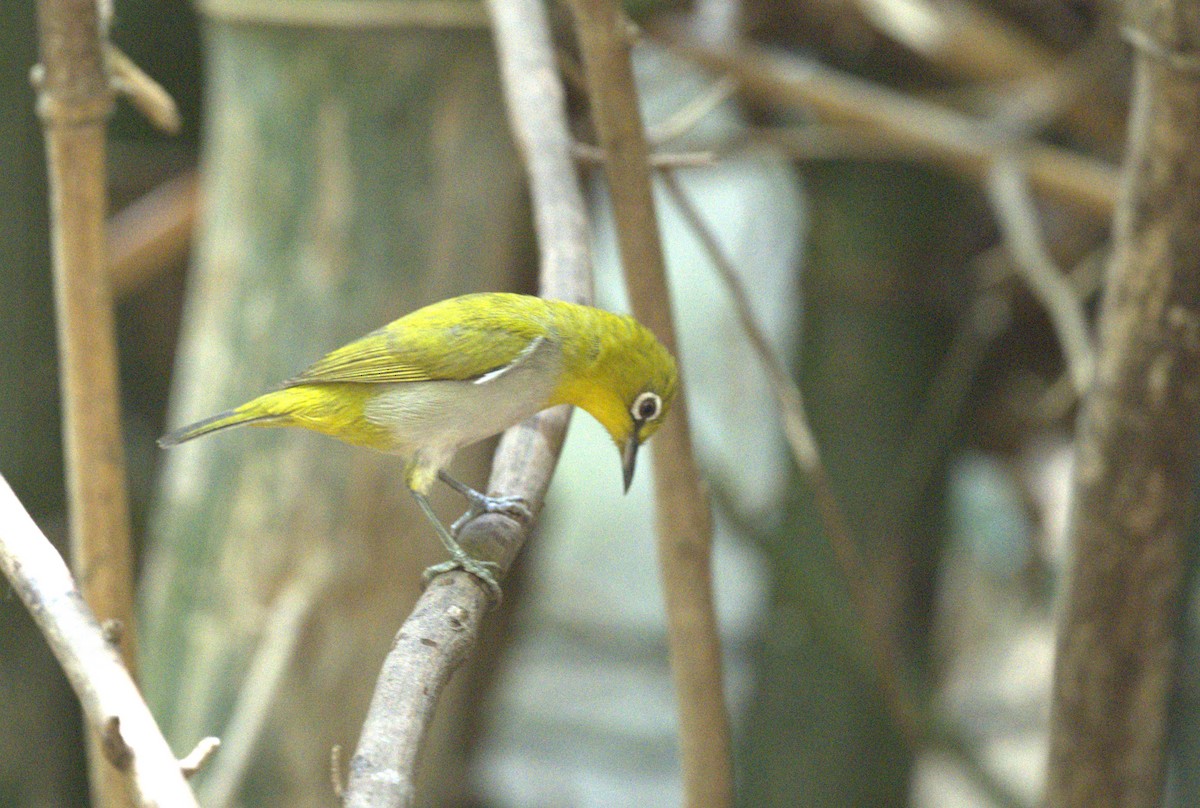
(629, 458)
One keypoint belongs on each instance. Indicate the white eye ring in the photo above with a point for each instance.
(646, 407)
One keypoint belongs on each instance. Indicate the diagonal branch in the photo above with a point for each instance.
(284, 627)
(918, 723)
(936, 133)
(112, 705)
(870, 610)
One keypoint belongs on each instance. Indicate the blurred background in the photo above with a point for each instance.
(337, 170)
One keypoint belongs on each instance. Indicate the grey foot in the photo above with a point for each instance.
(485, 571)
(515, 507)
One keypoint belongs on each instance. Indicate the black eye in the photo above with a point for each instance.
(646, 407)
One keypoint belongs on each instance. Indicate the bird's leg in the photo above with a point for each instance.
(479, 504)
(459, 558)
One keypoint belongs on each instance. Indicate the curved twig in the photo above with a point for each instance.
(1015, 211)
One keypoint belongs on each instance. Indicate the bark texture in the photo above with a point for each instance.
(1136, 448)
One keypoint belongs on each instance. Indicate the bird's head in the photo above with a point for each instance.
(626, 380)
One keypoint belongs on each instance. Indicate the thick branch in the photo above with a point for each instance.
(111, 703)
(444, 625)
(1137, 451)
(684, 526)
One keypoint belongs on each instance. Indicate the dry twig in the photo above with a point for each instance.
(961, 38)
(195, 760)
(1018, 220)
(917, 727)
(151, 233)
(934, 132)
(360, 15)
(684, 119)
(585, 152)
(276, 651)
(684, 528)
(142, 91)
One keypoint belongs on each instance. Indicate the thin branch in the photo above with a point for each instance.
(982, 324)
(444, 626)
(356, 15)
(336, 781)
(870, 610)
(823, 141)
(1075, 90)
(585, 152)
(1018, 218)
(684, 521)
(146, 94)
(684, 119)
(112, 706)
(195, 760)
(959, 142)
(1021, 84)
(960, 38)
(74, 101)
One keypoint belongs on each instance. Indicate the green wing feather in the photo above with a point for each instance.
(456, 340)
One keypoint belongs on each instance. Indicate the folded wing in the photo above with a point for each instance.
(452, 346)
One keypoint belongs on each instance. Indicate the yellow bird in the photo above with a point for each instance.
(461, 370)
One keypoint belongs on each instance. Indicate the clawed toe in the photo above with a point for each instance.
(485, 571)
(516, 507)
(513, 506)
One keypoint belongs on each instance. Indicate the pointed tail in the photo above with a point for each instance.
(245, 414)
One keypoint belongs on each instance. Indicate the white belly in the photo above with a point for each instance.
(430, 421)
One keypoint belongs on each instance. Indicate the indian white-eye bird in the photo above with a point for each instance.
(461, 370)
